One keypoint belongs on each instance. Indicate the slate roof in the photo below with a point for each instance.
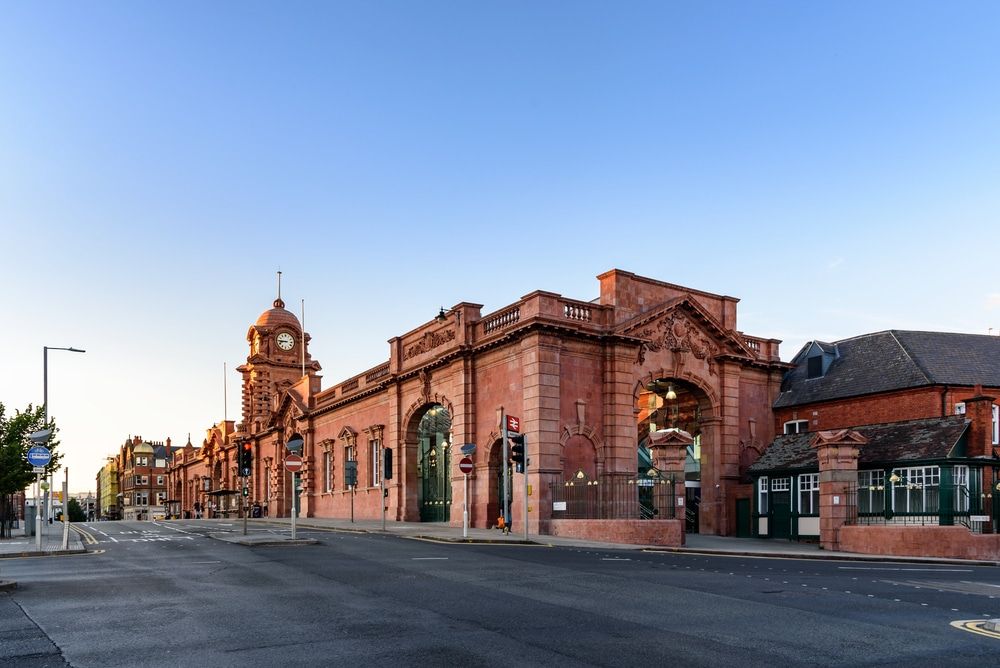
(893, 360)
(888, 443)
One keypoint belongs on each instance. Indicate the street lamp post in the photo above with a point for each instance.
(45, 405)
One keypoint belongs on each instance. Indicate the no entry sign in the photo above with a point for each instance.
(293, 463)
(465, 465)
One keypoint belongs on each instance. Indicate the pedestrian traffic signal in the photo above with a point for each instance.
(246, 459)
(517, 451)
(350, 474)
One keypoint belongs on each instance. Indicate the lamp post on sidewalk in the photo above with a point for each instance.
(45, 405)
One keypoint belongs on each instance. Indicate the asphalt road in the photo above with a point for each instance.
(165, 594)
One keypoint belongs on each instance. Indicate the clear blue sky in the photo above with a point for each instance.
(834, 165)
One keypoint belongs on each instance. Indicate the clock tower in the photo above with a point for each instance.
(277, 344)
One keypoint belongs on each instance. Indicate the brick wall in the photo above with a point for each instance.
(953, 542)
(632, 532)
(923, 402)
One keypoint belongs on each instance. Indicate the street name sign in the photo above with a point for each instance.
(39, 455)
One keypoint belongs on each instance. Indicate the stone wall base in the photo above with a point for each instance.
(950, 542)
(633, 532)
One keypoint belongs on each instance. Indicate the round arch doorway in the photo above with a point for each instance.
(434, 464)
(670, 403)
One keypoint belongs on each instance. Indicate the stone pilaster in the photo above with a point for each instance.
(837, 452)
(540, 422)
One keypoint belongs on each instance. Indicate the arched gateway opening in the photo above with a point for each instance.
(669, 403)
(434, 464)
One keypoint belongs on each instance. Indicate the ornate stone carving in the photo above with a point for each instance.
(678, 334)
(429, 341)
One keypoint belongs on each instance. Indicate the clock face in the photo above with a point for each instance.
(285, 341)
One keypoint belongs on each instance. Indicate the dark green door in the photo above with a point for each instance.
(743, 518)
(781, 515)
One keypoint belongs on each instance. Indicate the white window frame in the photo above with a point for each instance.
(159, 480)
(996, 424)
(327, 471)
(762, 501)
(141, 499)
(781, 484)
(960, 476)
(808, 496)
(375, 469)
(921, 484)
(141, 460)
(960, 408)
(796, 427)
(870, 484)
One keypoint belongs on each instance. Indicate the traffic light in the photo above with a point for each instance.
(517, 452)
(387, 463)
(246, 460)
(350, 473)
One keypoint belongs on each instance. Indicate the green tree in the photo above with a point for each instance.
(15, 471)
(76, 513)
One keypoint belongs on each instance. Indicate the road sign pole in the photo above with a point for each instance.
(505, 504)
(293, 506)
(65, 541)
(465, 509)
(381, 481)
(525, 476)
(246, 501)
(38, 511)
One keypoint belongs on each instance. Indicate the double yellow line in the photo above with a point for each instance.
(975, 626)
(84, 534)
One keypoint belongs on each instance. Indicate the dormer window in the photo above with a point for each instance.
(815, 366)
(797, 427)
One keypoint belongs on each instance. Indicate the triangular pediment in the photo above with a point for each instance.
(682, 324)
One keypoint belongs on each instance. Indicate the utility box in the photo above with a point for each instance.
(29, 520)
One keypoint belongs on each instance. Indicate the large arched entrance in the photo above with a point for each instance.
(434, 464)
(668, 403)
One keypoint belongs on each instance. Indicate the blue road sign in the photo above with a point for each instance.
(39, 456)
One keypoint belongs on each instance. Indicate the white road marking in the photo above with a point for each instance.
(920, 570)
(429, 558)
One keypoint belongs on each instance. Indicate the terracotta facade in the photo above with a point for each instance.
(587, 379)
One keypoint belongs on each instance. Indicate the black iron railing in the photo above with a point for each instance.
(913, 504)
(614, 498)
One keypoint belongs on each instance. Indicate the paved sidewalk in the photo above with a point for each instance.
(26, 546)
(694, 543)
(52, 537)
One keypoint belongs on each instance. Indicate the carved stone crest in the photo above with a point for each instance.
(678, 334)
(429, 341)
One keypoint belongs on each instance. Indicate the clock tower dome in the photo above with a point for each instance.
(277, 349)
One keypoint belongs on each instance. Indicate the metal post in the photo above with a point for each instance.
(293, 505)
(38, 511)
(525, 475)
(246, 502)
(465, 509)
(381, 480)
(506, 468)
(65, 541)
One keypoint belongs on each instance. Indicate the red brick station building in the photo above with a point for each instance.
(646, 413)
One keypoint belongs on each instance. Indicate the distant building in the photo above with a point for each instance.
(108, 501)
(142, 467)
